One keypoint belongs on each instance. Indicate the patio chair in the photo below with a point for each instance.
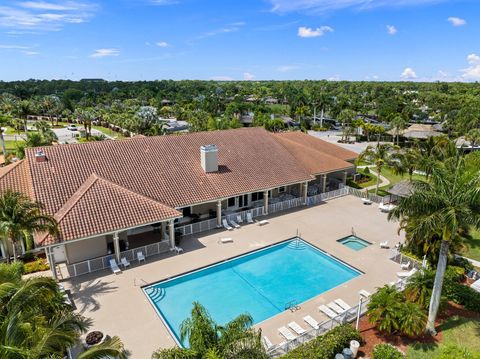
(407, 274)
(310, 321)
(384, 244)
(364, 293)
(267, 343)
(124, 262)
(296, 328)
(367, 201)
(140, 257)
(262, 222)
(336, 308)
(114, 266)
(326, 310)
(405, 266)
(342, 304)
(177, 250)
(226, 225)
(287, 334)
(234, 224)
(239, 218)
(249, 218)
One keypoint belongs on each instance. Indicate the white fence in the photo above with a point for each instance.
(347, 317)
(100, 263)
(363, 194)
(285, 205)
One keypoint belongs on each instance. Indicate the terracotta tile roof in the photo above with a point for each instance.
(315, 161)
(16, 177)
(168, 168)
(100, 206)
(319, 145)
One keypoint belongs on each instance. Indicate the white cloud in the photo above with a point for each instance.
(286, 68)
(473, 71)
(164, 2)
(13, 47)
(309, 32)
(334, 78)
(408, 74)
(105, 53)
(30, 53)
(322, 6)
(456, 21)
(235, 26)
(221, 78)
(391, 30)
(162, 44)
(247, 76)
(45, 16)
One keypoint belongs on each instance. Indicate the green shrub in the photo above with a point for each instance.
(11, 272)
(174, 353)
(455, 352)
(463, 295)
(352, 184)
(327, 345)
(386, 351)
(366, 171)
(37, 265)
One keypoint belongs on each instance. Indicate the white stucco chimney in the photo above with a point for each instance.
(40, 156)
(209, 158)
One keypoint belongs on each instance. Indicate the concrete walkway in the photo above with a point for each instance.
(384, 180)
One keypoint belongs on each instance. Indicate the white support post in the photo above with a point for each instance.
(305, 193)
(2, 250)
(265, 202)
(116, 246)
(345, 174)
(171, 227)
(324, 183)
(358, 313)
(219, 213)
(51, 261)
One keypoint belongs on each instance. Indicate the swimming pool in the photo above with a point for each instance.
(259, 283)
(353, 242)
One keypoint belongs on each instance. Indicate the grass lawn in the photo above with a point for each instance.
(371, 182)
(11, 145)
(108, 132)
(472, 248)
(457, 331)
(388, 173)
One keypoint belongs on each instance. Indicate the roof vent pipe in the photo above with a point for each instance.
(209, 158)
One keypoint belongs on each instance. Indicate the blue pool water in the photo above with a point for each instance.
(259, 283)
(353, 242)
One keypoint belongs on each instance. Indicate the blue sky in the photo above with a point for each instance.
(419, 40)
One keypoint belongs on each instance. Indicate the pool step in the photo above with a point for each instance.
(297, 245)
(155, 293)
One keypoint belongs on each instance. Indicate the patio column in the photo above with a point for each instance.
(51, 261)
(219, 213)
(171, 227)
(305, 192)
(265, 202)
(324, 183)
(345, 174)
(116, 246)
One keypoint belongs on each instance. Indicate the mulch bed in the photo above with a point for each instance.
(371, 336)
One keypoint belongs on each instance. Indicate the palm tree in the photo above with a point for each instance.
(20, 218)
(110, 348)
(398, 123)
(445, 206)
(4, 121)
(383, 308)
(380, 155)
(207, 339)
(473, 136)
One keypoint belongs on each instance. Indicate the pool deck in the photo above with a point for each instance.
(117, 305)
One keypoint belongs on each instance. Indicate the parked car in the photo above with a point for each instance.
(72, 128)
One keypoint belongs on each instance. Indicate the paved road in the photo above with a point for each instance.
(334, 136)
(67, 136)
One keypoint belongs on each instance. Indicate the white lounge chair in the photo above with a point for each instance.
(364, 293)
(336, 308)
(366, 201)
(326, 310)
(239, 218)
(310, 321)
(385, 207)
(234, 224)
(114, 266)
(249, 218)
(287, 334)
(405, 266)
(342, 304)
(384, 244)
(176, 249)
(267, 343)
(262, 222)
(226, 225)
(124, 262)
(296, 328)
(476, 285)
(225, 240)
(407, 274)
(140, 257)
